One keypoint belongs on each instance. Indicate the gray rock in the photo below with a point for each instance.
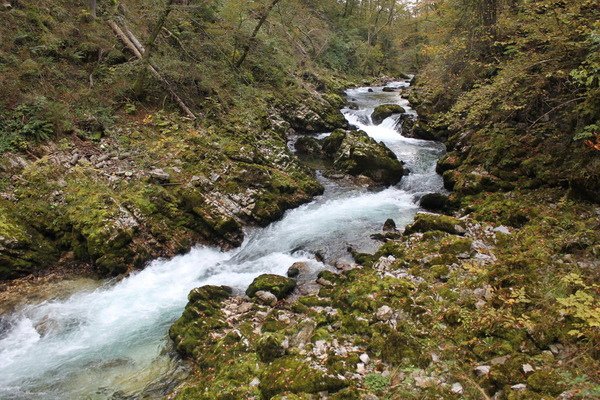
(459, 230)
(74, 159)
(360, 369)
(365, 358)
(384, 313)
(457, 388)
(324, 282)
(502, 229)
(519, 386)
(389, 225)
(482, 370)
(160, 175)
(499, 360)
(527, 369)
(297, 268)
(267, 298)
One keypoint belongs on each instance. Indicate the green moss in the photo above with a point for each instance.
(280, 286)
(455, 245)
(291, 374)
(384, 111)
(269, 347)
(546, 381)
(201, 315)
(433, 222)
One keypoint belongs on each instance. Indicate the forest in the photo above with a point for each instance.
(300, 199)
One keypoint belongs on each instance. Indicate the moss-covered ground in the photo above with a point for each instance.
(516, 297)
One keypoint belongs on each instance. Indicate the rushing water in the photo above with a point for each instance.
(112, 342)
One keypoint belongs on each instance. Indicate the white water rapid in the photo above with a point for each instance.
(112, 342)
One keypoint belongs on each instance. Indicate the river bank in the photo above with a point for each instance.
(342, 212)
(496, 300)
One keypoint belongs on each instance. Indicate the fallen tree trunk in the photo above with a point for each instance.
(259, 25)
(131, 42)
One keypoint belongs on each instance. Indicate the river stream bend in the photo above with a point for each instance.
(111, 341)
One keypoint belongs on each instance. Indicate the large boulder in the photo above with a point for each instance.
(279, 285)
(384, 111)
(201, 316)
(434, 222)
(308, 145)
(435, 202)
(355, 153)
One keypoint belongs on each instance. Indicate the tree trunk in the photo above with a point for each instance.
(129, 40)
(489, 11)
(93, 8)
(139, 85)
(261, 21)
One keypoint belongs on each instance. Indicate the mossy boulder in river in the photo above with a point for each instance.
(355, 153)
(384, 111)
(202, 315)
(433, 222)
(279, 285)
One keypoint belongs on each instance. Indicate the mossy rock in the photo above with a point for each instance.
(455, 245)
(201, 316)
(448, 162)
(22, 249)
(384, 111)
(293, 375)
(332, 143)
(308, 145)
(355, 153)
(546, 381)
(349, 393)
(434, 222)
(435, 202)
(269, 347)
(279, 285)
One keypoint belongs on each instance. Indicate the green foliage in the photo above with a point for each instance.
(377, 383)
(26, 124)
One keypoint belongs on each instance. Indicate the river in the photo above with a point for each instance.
(111, 341)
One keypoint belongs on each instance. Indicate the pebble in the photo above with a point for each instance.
(255, 382)
(519, 386)
(502, 229)
(244, 308)
(457, 388)
(384, 313)
(74, 159)
(365, 358)
(482, 370)
(527, 368)
(159, 174)
(324, 282)
(267, 298)
(360, 368)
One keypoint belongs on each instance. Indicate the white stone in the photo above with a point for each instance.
(255, 382)
(519, 386)
(364, 357)
(502, 229)
(457, 388)
(527, 368)
(482, 370)
(360, 368)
